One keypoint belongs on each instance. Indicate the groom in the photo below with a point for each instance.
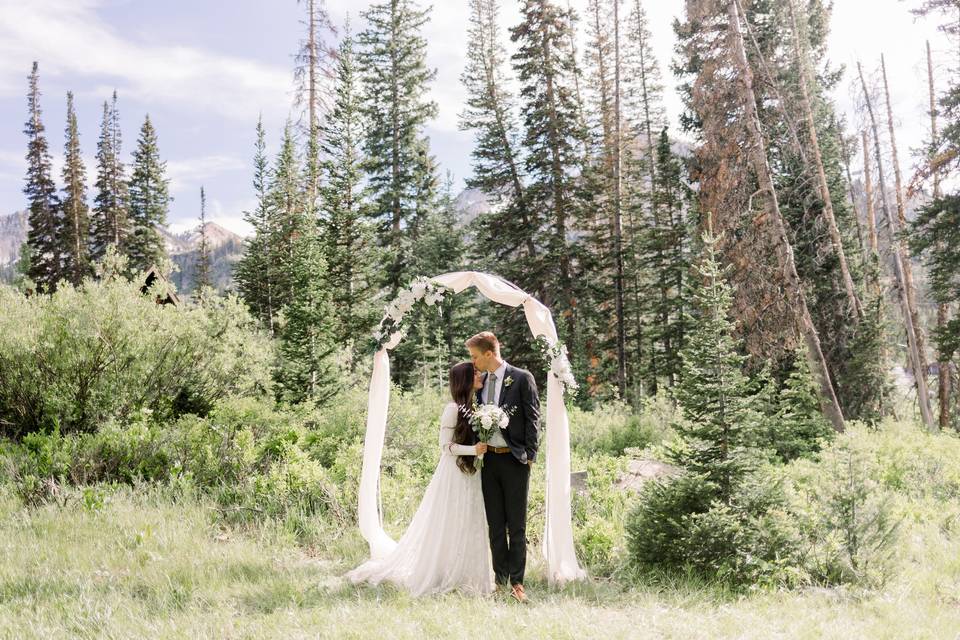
(505, 476)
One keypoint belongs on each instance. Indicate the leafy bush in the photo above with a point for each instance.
(82, 356)
(598, 513)
(613, 427)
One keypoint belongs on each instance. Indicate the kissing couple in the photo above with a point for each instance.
(469, 532)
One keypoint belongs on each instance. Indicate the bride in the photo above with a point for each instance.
(446, 545)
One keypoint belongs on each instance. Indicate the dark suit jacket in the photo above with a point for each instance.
(521, 396)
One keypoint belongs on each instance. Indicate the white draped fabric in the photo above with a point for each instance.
(558, 547)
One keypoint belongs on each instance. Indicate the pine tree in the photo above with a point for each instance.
(553, 137)
(663, 249)
(254, 271)
(644, 112)
(45, 219)
(345, 230)
(288, 219)
(306, 368)
(266, 273)
(709, 519)
(507, 238)
(933, 233)
(432, 343)
(149, 201)
(110, 222)
(799, 424)
(602, 184)
(508, 233)
(75, 210)
(719, 426)
(203, 279)
(392, 53)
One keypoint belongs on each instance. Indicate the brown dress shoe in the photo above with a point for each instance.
(517, 592)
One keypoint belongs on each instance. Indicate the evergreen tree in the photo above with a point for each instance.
(254, 271)
(46, 218)
(720, 423)
(799, 425)
(288, 219)
(505, 239)
(110, 223)
(433, 341)
(345, 230)
(934, 233)
(601, 188)
(663, 252)
(553, 138)
(508, 232)
(266, 273)
(149, 201)
(75, 210)
(710, 518)
(392, 53)
(203, 278)
(306, 368)
(645, 117)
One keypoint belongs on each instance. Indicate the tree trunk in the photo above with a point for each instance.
(845, 155)
(871, 214)
(943, 313)
(758, 157)
(902, 218)
(835, 237)
(916, 361)
(617, 203)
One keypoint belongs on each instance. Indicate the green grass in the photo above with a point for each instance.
(149, 564)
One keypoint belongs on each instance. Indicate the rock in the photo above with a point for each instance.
(642, 470)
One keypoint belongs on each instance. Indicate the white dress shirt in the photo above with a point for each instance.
(496, 440)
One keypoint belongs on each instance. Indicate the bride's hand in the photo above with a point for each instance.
(481, 448)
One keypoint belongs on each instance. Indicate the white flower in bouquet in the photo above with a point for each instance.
(419, 289)
(484, 419)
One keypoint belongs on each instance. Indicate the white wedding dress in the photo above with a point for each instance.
(446, 546)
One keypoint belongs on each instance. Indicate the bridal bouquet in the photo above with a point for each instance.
(485, 419)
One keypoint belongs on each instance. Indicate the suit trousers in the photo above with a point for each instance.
(505, 482)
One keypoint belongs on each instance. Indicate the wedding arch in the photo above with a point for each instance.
(558, 547)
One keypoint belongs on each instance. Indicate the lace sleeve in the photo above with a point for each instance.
(448, 422)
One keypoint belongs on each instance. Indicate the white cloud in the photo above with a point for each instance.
(69, 39)
(192, 172)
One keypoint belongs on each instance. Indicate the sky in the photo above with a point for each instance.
(205, 70)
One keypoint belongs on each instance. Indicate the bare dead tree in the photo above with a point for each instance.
(916, 361)
(758, 157)
(801, 56)
(871, 214)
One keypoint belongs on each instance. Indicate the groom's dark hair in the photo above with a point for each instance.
(485, 341)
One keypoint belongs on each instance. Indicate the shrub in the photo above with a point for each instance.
(613, 427)
(80, 357)
(848, 516)
(598, 514)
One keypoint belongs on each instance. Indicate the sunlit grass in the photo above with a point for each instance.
(148, 564)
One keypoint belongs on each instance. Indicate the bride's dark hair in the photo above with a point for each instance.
(461, 388)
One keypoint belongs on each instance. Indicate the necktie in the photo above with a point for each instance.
(491, 388)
